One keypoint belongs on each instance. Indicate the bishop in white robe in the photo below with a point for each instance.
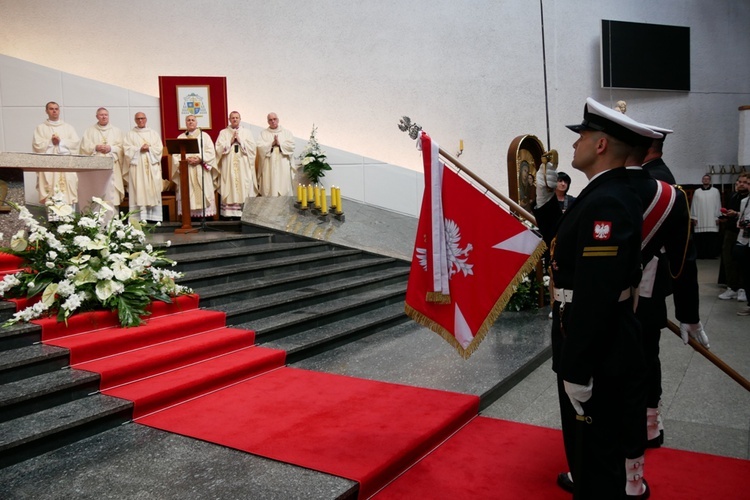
(142, 172)
(235, 150)
(276, 154)
(102, 139)
(56, 137)
(203, 176)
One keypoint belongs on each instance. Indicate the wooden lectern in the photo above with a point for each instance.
(182, 147)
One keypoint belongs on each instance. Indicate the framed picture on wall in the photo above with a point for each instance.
(194, 100)
(202, 96)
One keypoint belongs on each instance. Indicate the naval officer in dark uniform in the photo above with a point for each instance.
(653, 163)
(596, 338)
(669, 268)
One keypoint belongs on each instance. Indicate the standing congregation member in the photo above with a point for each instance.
(732, 265)
(743, 249)
(203, 177)
(275, 152)
(142, 172)
(705, 212)
(596, 341)
(56, 137)
(235, 149)
(102, 139)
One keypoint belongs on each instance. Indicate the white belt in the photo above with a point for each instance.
(566, 296)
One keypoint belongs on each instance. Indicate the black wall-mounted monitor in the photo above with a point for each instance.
(645, 56)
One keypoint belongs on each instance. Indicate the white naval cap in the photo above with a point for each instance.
(663, 131)
(596, 116)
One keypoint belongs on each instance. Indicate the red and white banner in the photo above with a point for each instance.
(468, 256)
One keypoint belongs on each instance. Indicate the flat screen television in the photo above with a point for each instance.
(645, 56)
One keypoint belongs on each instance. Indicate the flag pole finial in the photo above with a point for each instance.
(406, 125)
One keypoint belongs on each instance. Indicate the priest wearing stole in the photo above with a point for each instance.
(275, 152)
(56, 137)
(142, 170)
(102, 139)
(235, 149)
(203, 177)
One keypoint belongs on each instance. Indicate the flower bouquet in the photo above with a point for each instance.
(314, 161)
(82, 262)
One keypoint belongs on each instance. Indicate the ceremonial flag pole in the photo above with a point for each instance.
(471, 343)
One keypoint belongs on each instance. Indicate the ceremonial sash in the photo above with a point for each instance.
(657, 211)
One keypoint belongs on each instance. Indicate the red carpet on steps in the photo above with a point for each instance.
(187, 373)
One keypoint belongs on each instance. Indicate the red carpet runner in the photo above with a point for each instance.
(189, 374)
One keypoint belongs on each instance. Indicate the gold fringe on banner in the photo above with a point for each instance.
(491, 317)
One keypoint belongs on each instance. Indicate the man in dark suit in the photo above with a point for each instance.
(596, 338)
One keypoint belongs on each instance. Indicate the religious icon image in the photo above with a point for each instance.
(526, 183)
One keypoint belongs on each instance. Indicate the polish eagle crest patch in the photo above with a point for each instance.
(602, 230)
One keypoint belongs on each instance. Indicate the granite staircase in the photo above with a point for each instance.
(300, 295)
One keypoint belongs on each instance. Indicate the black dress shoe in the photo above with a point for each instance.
(656, 442)
(564, 482)
(643, 496)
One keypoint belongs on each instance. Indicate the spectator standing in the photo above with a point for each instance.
(733, 266)
(705, 211)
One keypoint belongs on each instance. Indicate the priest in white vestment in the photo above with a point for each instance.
(102, 139)
(705, 210)
(235, 150)
(142, 171)
(203, 176)
(275, 153)
(56, 137)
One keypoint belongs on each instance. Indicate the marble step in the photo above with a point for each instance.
(313, 341)
(19, 335)
(307, 303)
(186, 244)
(218, 273)
(241, 289)
(32, 394)
(23, 362)
(302, 318)
(411, 354)
(31, 435)
(137, 462)
(243, 254)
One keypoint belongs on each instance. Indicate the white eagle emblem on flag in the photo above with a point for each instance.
(602, 230)
(457, 257)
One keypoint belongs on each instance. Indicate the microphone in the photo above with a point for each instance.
(187, 133)
(236, 148)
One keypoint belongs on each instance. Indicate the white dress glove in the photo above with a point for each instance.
(545, 184)
(578, 393)
(696, 331)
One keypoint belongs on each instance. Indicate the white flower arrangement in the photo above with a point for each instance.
(81, 262)
(313, 159)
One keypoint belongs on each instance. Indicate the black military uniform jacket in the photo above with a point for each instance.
(659, 170)
(597, 254)
(677, 271)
